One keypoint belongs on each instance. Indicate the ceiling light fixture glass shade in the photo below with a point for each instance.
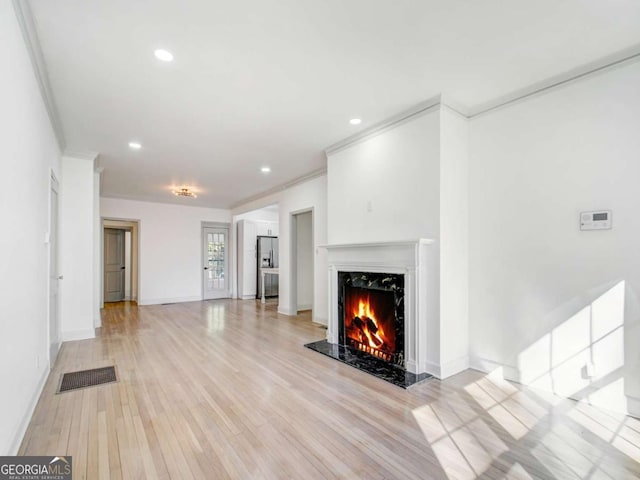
(135, 145)
(163, 55)
(355, 121)
(265, 169)
(184, 192)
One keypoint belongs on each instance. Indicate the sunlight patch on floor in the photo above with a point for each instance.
(516, 472)
(463, 442)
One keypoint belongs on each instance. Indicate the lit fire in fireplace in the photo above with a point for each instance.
(367, 331)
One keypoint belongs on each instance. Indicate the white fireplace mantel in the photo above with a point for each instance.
(408, 258)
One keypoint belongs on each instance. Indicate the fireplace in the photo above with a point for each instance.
(380, 304)
(371, 314)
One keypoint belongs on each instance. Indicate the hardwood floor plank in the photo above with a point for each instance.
(225, 389)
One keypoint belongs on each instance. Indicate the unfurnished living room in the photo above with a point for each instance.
(355, 239)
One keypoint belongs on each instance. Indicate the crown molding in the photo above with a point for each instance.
(30, 35)
(420, 109)
(279, 188)
(81, 155)
(618, 59)
(615, 60)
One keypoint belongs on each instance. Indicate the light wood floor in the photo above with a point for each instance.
(225, 389)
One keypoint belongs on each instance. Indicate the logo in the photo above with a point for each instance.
(36, 468)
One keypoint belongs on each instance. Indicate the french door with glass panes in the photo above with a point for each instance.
(215, 276)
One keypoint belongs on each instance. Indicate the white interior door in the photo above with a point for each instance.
(216, 263)
(54, 278)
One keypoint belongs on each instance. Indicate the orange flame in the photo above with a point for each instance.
(364, 310)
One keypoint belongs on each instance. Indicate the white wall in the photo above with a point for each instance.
(397, 173)
(29, 152)
(77, 252)
(454, 246)
(269, 214)
(304, 260)
(546, 298)
(170, 246)
(311, 194)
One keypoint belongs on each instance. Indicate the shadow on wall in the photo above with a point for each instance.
(583, 357)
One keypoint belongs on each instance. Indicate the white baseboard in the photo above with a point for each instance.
(453, 367)
(320, 320)
(160, 301)
(285, 311)
(446, 370)
(71, 335)
(249, 297)
(26, 418)
(509, 372)
(633, 406)
(431, 368)
(304, 307)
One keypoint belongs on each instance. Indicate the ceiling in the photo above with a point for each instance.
(257, 82)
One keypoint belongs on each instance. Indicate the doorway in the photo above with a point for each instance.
(54, 276)
(120, 260)
(215, 256)
(114, 265)
(302, 261)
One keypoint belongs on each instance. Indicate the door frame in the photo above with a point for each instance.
(121, 232)
(53, 337)
(134, 223)
(293, 259)
(230, 239)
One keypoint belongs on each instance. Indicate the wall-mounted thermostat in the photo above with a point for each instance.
(600, 220)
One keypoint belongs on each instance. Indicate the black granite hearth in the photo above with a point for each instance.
(369, 364)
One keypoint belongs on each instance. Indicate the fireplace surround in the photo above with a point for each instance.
(378, 265)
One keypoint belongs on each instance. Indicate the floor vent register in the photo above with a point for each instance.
(87, 378)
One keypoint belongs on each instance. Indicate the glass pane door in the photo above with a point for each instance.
(216, 262)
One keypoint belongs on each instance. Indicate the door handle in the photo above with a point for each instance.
(206, 268)
(122, 268)
(60, 277)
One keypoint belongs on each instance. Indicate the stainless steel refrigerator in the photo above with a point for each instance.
(267, 258)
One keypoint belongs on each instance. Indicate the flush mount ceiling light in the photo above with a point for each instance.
(265, 169)
(135, 145)
(355, 121)
(163, 55)
(184, 192)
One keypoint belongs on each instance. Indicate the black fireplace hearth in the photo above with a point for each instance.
(368, 363)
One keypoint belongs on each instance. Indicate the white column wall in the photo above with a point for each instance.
(77, 248)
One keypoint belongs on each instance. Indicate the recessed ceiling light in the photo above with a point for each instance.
(265, 169)
(355, 121)
(135, 145)
(163, 55)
